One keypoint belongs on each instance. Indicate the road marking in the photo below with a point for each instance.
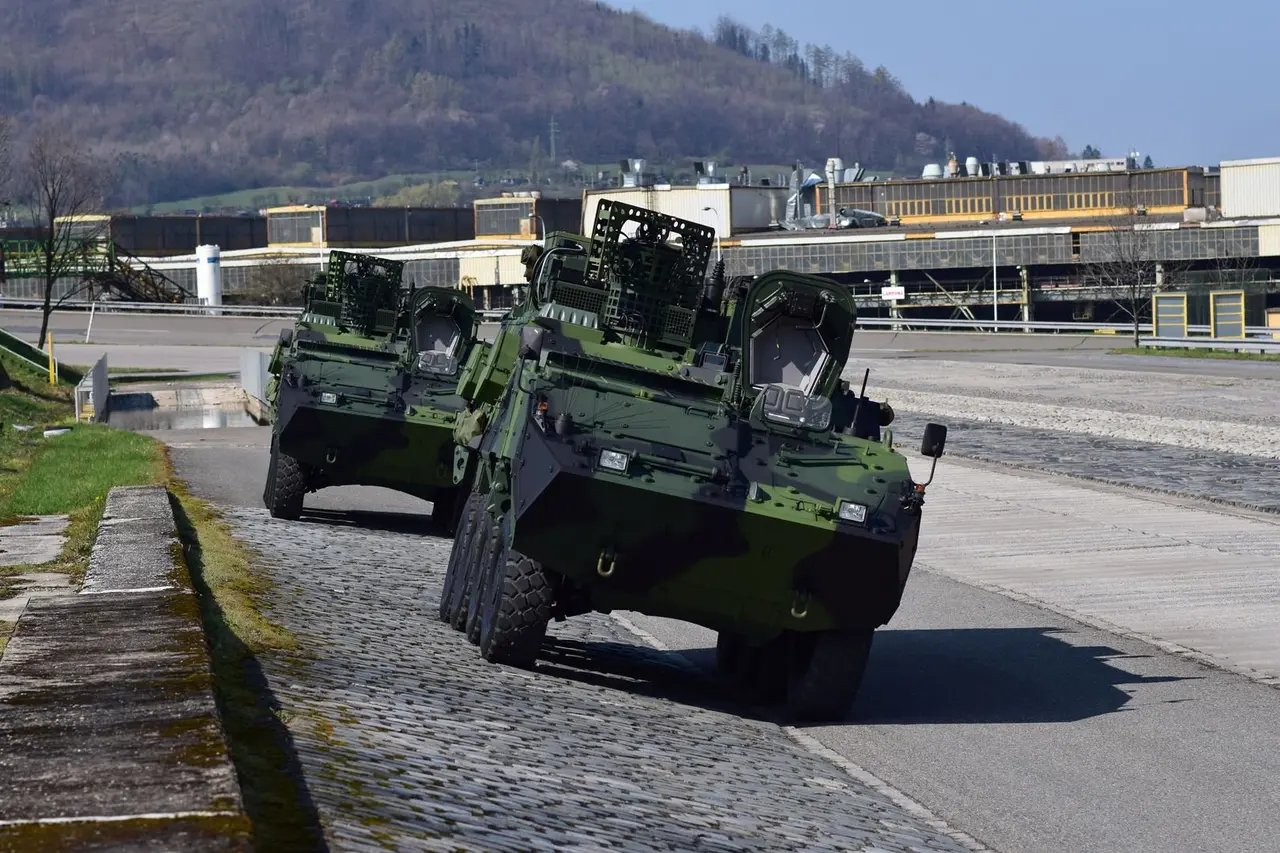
(860, 774)
(133, 589)
(117, 818)
(875, 783)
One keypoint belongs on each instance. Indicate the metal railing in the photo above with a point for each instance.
(1070, 327)
(193, 309)
(1257, 345)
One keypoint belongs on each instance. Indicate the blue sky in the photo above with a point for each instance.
(1187, 83)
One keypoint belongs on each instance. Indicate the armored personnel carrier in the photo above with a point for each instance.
(364, 388)
(648, 441)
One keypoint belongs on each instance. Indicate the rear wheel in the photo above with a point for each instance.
(825, 673)
(516, 606)
(453, 597)
(480, 571)
(729, 651)
(286, 484)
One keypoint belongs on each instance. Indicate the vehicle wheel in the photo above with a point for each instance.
(825, 673)
(453, 598)
(286, 484)
(480, 571)
(729, 651)
(515, 608)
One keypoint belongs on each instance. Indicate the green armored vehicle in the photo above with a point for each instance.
(364, 387)
(646, 441)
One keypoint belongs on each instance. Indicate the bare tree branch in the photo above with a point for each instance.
(1126, 265)
(63, 182)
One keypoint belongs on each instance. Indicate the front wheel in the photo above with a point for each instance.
(516, 609)
(825, 672)
(286, 484)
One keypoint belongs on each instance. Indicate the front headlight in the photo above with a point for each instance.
(614, 460)
(329, 398)
(852, 512)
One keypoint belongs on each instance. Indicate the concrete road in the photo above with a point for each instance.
(137, 329)
(1017, 725)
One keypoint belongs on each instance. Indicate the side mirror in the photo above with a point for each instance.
(935, 439)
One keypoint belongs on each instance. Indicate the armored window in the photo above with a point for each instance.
(437, 339)
(788, 351)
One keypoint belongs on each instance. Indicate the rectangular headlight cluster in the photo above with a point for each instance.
(328, 398)
(614, 460)
(852, 512)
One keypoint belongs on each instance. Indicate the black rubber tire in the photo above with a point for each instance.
(286, 484)
(516, 607)
(453, 598)
(729, 651)
(826, 671)
(479, 572)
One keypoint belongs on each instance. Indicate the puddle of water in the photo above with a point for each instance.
(194, 417)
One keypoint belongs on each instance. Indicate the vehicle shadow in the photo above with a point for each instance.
(992, 675)
(963, 675)
(387, 522)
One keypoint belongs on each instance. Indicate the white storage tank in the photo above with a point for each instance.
(1251, 187)
(209, 275)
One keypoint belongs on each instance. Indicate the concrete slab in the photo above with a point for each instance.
(106, 712)
(36, 539)
(135, 542)
(1194, 579)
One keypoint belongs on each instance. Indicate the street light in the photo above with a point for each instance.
(716, 213)
(995, 281)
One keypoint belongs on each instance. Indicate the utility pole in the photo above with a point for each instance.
(552, 132)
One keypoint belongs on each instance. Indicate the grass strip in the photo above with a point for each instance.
(271, 780)
(1225, 355)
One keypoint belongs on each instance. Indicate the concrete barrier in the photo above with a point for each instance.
(109, 735)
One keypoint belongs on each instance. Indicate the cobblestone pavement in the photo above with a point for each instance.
(1246, 481)
(410, 741)
(1233, 415)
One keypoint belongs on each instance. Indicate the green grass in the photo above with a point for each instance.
(68, 474)
(75, 470)
(237, 633)
(1226, 355)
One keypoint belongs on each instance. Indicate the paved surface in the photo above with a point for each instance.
(1019, 726)
(133, 551)
(36, 539)
(1196, 579)
(109, 736)
(1250, 482)
(607, 746)
(1229, 415)
(1036, 733)
(147, 329)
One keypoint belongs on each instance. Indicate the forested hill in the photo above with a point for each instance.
(205, 97)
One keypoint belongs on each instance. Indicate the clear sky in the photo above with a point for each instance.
(1186, 82)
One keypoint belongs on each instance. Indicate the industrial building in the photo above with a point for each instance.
(1019, 240)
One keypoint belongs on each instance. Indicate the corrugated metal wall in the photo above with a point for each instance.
(1251, 188)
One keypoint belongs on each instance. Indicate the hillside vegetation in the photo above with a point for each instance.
(198, 98)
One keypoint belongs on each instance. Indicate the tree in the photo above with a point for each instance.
(6, 157)
(1148, 163)
(60, 182)
(1124, 262)
(1090, 153)
(275, 283)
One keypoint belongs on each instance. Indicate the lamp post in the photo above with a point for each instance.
(716, 213)
(995, 282)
